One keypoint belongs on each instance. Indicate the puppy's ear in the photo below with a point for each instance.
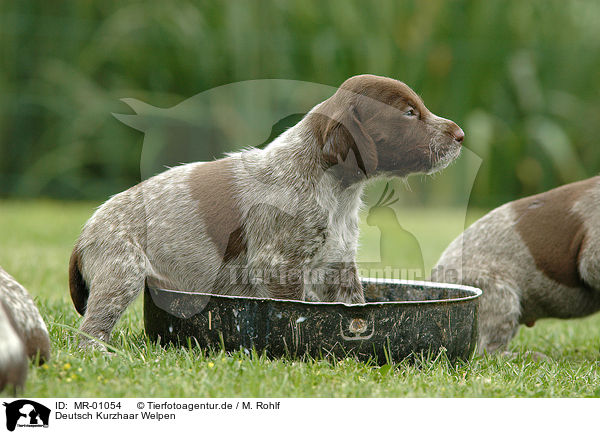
(346, 133)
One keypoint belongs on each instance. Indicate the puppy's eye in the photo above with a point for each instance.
(410, 112)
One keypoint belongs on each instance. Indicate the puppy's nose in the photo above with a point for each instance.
(458, 134)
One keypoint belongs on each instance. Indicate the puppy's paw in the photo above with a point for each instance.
(312, 298)
(91, 345)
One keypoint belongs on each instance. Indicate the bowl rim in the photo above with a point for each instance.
(474, 293)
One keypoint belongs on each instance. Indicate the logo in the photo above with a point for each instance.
(25, 413)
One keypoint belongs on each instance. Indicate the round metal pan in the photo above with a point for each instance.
(400, 318)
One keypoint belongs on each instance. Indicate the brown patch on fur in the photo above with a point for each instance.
(211, 185)
(552, 232)
(379, 135)
(77, 286)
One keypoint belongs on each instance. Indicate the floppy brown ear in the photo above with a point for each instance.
(346, 133)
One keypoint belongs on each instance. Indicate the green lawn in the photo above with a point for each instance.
(36, 239)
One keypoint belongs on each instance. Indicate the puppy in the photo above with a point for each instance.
(536, 257)
(281, 222)
(22, 332)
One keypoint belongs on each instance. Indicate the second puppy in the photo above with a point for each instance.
(536, 257)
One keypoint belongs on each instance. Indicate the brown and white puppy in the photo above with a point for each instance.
(22, 332)
(536, 257)
(269, 216)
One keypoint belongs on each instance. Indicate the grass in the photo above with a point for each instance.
(36, 238)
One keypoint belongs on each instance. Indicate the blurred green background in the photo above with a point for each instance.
(521, 77)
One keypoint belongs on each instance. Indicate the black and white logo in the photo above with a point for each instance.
(25, 413)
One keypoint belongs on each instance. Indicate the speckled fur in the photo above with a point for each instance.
(22, 332)
(297, 201)
(492, 255)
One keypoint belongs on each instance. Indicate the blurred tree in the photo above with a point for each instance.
(520, 77)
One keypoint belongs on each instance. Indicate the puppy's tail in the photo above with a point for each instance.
(79, 289)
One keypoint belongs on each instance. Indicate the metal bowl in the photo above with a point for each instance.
(400, 319)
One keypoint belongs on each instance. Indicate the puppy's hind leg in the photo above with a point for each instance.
(499, 313)
(115, 283)
(499, 319)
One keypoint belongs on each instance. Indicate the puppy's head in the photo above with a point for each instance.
(380, 126)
